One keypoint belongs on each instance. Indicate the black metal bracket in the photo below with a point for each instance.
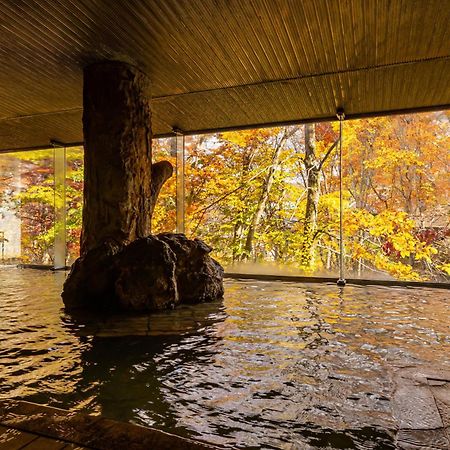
(340, 113)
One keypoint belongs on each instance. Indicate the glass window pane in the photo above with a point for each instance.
(164, 214)
(27, 206)
(267, 200)
(247, 196)
(396, 177)
(74, 201)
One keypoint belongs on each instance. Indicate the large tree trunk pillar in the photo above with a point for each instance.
(118, 197)
(121, 266)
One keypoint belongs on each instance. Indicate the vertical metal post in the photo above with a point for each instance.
(2, 241)
(180, 158)
(341, 282)
(59, 167)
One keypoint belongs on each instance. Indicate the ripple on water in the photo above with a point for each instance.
(275, 365)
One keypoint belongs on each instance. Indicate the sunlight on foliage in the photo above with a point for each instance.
(271, 197)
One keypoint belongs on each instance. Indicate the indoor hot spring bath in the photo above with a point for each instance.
(272, 365)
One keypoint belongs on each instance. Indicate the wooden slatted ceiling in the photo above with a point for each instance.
(218, 64)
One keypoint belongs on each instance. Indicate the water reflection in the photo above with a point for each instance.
(275, 365)
(121, 366)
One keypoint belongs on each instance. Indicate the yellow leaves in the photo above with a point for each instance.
(397, 269)
(391, 222)
(237, 138)
(390, 158)
(359, 251)
(403, 243)
(355, 220)
(246, 138)
(445, 268)
(386, 223)
(424, 251)
(385, 240)
(329, 202)
(391, 165)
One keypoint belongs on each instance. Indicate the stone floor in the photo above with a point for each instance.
(28, 426)
(12, 439)
(422, 408)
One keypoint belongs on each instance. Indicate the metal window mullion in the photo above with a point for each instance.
(59, 244)
(341, 281)
(180, 180)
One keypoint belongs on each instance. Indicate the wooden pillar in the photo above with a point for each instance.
(121, 187)
(118, 193)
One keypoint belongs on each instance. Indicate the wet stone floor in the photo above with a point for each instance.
(274, 365)
(13, 439)
(28, 426)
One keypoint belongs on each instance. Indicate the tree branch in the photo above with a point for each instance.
(327, 154)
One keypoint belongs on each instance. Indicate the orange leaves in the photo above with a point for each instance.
(249, 138)
(395, 188)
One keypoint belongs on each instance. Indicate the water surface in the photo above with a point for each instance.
(273, 365)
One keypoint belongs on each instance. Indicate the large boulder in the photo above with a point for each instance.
(199, 277)
(90, 284)
(146, 276)
(152, 273)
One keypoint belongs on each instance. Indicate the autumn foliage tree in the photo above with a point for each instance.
(271, 196)
(397, 178)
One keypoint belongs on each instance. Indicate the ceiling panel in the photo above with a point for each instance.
(216, 64)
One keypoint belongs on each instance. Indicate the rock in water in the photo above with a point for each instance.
(199, 277)
(146, 276)
(90, 284)
(152, 273)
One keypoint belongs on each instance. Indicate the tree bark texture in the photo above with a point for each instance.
(312, 166)
(121, 266)
(265, 192)
(118, 197)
